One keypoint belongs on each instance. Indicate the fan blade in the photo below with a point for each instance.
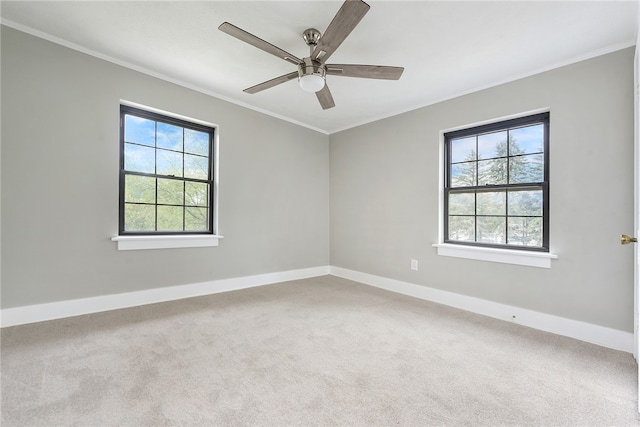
(241, 34)
(271, 83)
(325, 98)
(351, 12)
(365, 71)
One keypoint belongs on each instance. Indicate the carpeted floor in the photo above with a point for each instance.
(321, 351)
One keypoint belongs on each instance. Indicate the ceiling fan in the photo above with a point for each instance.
(312, 70)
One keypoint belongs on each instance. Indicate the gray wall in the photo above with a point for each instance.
(60, 111)
(60, 188)
(384, 194)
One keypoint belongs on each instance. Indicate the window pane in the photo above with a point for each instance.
(196, 142)
(169, 163)
(529, 168)
(195, 219)
(525, 203)
(170, 192)
(493, 203)
(463, 174)
(492, 172)
(462, 228)
(196, 194)
(526, 140)
(491, 229)
(139, 217)
(196, 167)
(525, 231)
(169, 136)
(462, 204)
(139, 159)
(463, 149)
(170, 218)
(491, 145)
(139, 130)
(139, 189)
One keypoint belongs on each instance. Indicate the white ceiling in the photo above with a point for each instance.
(448, 48)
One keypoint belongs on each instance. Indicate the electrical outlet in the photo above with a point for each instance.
(414, 264)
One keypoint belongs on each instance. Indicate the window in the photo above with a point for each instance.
(166, 175)
(496, 191)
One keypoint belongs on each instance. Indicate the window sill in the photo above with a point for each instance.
(130, 243)
(505, 256)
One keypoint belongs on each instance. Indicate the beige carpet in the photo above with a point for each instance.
(322, 351)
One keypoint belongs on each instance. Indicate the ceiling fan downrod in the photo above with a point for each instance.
(311, 74)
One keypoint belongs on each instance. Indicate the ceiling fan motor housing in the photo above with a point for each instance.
(311, 75)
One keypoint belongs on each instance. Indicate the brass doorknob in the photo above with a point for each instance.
(625, 240)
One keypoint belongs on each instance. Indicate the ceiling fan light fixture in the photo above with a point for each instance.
(311, 76)
(311, 82)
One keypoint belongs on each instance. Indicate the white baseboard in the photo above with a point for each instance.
(606, 337)
(57, 310)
